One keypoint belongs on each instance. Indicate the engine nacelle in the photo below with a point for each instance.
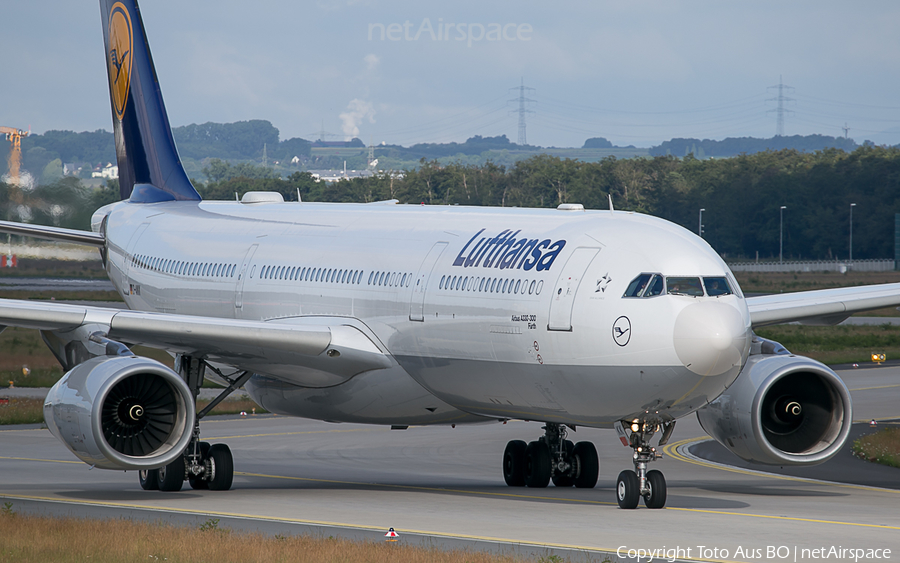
(121, 412)
(781, 410)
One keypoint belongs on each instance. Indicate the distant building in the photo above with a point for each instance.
(72, 169)
(331, 176)
(110, 172)
(353, 143)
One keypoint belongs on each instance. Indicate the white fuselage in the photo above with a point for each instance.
(486, 312)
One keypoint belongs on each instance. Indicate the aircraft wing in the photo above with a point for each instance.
(290, 348)
(823, 306)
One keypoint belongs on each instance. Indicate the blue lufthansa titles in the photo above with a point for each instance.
(505, 251)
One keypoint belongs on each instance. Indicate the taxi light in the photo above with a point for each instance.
(635, 427)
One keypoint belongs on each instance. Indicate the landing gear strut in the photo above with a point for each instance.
(205, 466)
(640, 483)
(551, 457)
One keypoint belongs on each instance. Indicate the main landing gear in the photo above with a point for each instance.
(551, 457)
(640, 483)
(203, 465)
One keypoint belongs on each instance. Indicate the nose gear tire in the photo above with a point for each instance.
(656, 498)
(628, 490)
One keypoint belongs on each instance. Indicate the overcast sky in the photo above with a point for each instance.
(635, 72)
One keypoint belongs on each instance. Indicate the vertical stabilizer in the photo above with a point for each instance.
(149, 167)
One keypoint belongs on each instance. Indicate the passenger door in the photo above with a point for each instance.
(563, 298)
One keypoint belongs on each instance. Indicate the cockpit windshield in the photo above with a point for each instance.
(684, 286)
(638, 285)
(651, 285)
(716, 286)
(645, 285)
(657, 285)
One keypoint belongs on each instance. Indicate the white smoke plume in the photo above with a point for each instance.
(357, 111)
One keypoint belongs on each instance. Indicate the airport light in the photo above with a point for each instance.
(700, 224)
(781, 234)
(852, 205)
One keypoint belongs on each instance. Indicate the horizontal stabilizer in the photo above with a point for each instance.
(53, 233)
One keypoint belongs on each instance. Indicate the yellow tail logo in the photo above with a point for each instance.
(119, 51)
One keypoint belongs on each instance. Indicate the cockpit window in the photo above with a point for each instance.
(684, 286)
(645, 285)
(716, 287)
(656, 286)
(637, 285)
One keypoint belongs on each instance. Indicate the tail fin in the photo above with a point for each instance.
(149, 167)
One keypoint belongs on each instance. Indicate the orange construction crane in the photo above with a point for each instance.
(14, 136)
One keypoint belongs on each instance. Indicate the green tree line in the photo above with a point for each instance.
(741, 195)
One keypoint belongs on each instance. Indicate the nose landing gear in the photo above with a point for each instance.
(640, 483)
(551, 457)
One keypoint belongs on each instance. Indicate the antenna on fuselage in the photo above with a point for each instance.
(298, 195)
(610, 203)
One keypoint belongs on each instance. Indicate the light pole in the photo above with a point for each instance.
(700, 224)
(781, 234)
(852, 205)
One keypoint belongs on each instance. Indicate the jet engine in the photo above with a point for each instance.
(121, 412)
(781, 410)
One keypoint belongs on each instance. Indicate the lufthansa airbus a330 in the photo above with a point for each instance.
(409, 315)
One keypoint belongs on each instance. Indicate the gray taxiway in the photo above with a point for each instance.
(443, 486)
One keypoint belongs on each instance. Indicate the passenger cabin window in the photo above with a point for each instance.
(716, 287)
(684, 286)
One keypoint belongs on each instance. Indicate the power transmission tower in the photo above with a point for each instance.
(780, 111)
(323, 134)
(522, 111)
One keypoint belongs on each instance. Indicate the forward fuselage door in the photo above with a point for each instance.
(242, 276)
(417, 302)
(563, 298)
(130, 251)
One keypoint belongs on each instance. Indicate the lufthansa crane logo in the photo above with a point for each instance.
(621, 331)
(119, 53)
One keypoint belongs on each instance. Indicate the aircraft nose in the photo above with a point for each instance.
(711, 338)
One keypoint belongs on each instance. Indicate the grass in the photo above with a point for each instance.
(65, 540)
(46, 268)
(842, 344)
(881, 447)
(22, 410)
(783, 282)
(60, 295)
(27, 362)
(18, 410)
